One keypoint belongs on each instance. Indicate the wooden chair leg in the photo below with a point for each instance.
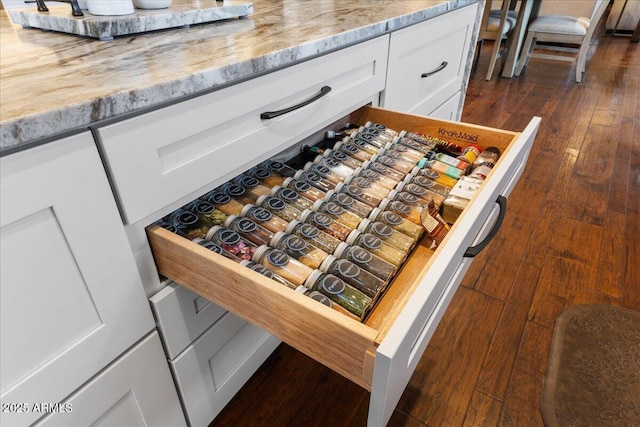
(494, 57)
(527, 49)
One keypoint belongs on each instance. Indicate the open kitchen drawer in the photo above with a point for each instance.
(380, 354)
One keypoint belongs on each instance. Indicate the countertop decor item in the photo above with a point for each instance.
(112, 18)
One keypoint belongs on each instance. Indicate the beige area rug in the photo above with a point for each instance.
(593, 374)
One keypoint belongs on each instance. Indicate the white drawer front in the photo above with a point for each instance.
(182, 316)
(160, 157)
(216, 366)
(427, 62)
(407, 339)
(448, 110)
(137, 390)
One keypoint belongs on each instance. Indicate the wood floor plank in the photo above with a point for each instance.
(484, 410)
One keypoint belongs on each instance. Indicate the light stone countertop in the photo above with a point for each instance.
(53, 83)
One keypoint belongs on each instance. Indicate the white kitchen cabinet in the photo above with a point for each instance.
(428, 62)
(136, 390)
(72, 300)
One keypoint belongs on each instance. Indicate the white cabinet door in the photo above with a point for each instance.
(137, 390)
(71, 296)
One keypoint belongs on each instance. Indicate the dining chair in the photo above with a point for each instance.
(560, 30)
(496, 25)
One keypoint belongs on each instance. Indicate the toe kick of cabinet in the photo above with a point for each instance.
(380, 354)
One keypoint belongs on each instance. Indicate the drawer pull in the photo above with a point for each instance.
(272, 114)
(437, 70)
(475, 250)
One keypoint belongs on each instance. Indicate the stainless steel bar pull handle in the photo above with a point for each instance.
(271, 114)
(475, 250)
(437, 70)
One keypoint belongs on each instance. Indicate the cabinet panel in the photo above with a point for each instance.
(380, 354)
(137, 390)
(182, 316)
(448, 110)
(71, 296)
(427, 62)
(209, 373)
(157, 158)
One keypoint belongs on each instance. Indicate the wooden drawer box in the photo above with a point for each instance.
(381, 354)
(159, 157)
(427, 62)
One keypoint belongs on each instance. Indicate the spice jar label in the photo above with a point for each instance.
(359, 255)
(378, 127)
(415, 189)
(276, 166)
(278, 258)
(362, 182)
(321, 219)
(295, 244)
(275, 204)
(261, 214)
(381, 229)
(359, 142)
(288, 194)
(400, 207)
(369, 135)
(350, 148)
(322, 170)
(301, 186)
(220, 199)
(387, 161)
(167, 226)
(400, 148)
(344, 200)
(311, 177)
(211, 246)
(186, 218)
(370, 241)
(423, 181)
(391, 218)
(370, 175)
(262, 270)
(394, 154)
(317, 296)
(261, 173)
(204, 208)
(378, 167)
(309, 231)
(332, 162)
(347, 268)
(407, 198)
(246, 225)
(234, 190)
(354, 191)
(249, 181)
(333, 208)
(332, 284)
(340, 156)
(430, 173)
(229, 237)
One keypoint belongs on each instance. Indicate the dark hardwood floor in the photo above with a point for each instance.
(571, 236)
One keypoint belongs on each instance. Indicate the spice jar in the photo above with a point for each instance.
(381, 130)
(294, 246)
(278, 208)
(469, 154)
(313, 235)
(252, 187)
(353, 151)
(172, 228)
(342, 158)
(282, 264)
(264, 218)
(216, 248)
(445, 169)
(237, 192)
(206, 212)
(259, 268)
(326, 301)
(349, 203)
(361, 279)
(376, 246)
(266, 177)
(364, 145)
(337, 213)
(223, 202)
(459, 197)
(377, 179)
(459, 162)
(435, 225)
(188, 224)
(324, 172)
(365, 259)
(292, 197)
(404, 152)
(325, 223)
(231, 241)
(398, 164)
(397, 223)
(314, 180)
(372, 138)
(415, 145)
(385, 171)
(248, 229)
(428, 183)
(278, 168)
(409, 212)
(358, 194)
(490, 154)
(334, 166)
(435, 176)
(423, 195)
(388, 235)
(304, 189)
(367, 186)
(339, 292)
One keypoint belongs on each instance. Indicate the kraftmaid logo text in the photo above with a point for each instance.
(460, 136)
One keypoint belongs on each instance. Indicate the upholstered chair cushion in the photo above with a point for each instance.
(560, 24)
